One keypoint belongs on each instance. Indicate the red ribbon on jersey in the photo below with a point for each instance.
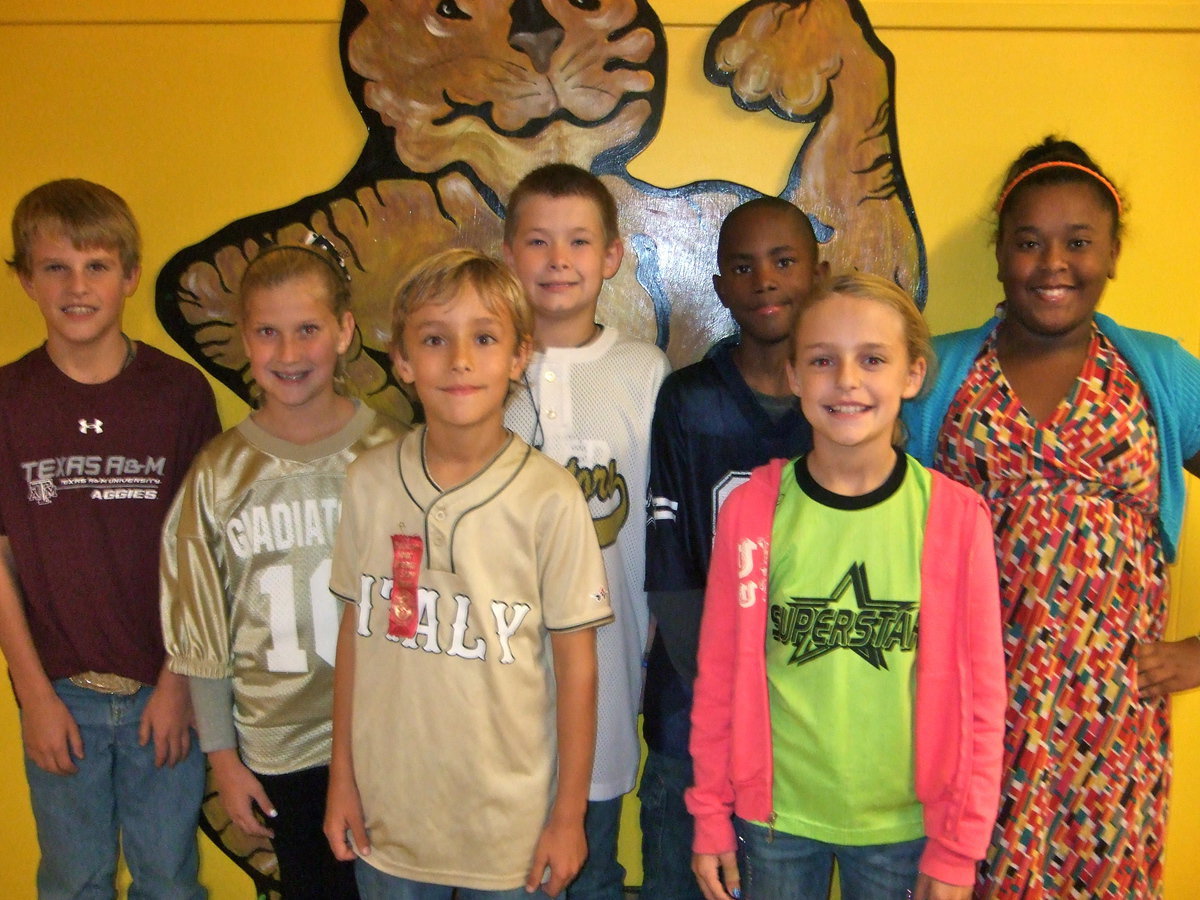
(407, 550)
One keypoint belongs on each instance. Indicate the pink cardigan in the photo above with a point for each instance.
(960, 691)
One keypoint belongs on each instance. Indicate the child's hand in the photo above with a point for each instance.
(931, 889)
(718, 876)
(562, 848)
(51, 735)
(343, 813)
(240, 790)
(167, 719)
(1169, 666)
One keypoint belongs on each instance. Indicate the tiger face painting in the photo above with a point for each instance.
(493, 85)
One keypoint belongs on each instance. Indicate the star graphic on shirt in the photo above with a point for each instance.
(877, 624)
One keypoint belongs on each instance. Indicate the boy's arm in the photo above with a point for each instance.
(343, 807)
(50, 733)
(674, 574)
(167, 719)
(678, 616)
(562, 847)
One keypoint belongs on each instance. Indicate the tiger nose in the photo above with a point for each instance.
(534, 32)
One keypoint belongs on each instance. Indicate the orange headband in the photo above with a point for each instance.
(1058, 165)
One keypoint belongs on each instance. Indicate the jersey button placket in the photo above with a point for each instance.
(553, 391)
(438, 540)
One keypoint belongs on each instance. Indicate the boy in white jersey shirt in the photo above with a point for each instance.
(588, 401)
(464, 692)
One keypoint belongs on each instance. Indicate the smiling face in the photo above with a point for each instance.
(1055, 252)
(768, 263)
(81, 292)
(461, 355)
(851, 369)
(561, 256)
(293, 341)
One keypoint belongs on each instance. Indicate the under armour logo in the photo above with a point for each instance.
(95, 425)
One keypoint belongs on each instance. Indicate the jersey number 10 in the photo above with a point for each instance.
(278, 586)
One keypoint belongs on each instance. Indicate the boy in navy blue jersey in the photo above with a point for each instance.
(714, 421)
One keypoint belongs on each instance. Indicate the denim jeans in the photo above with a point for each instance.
(666, 830)
(376, 885)
(786, 867)
(602, 877)
(117, 794)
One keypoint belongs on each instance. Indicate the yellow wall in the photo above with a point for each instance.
(200, 113)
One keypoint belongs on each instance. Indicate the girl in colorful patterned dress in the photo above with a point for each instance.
(1077, 432)
(820, 729)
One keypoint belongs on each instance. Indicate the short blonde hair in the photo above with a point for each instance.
(872, 287)
(85, 213)
(441, 277)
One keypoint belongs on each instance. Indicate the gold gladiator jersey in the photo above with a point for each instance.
(454, 729)
(245, 582)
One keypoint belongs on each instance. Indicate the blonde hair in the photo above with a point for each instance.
(871, 287)
(281, 263)
(85, 213)
(441, 278)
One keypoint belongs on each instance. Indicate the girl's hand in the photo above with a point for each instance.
(1168, 666)
(931, 889)
(240, 790)
(345, 827)
(718, 876)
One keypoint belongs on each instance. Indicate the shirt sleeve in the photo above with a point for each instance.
(212, 701)
(1188, 383)
(343, 575)
(195, 610)
(678, 616)
(675, 573)
(710, 799)
(574, 588)
(671, 561)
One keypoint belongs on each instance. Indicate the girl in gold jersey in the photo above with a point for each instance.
(246, 607)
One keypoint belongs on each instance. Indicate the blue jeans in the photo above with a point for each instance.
(118, 793)
(376, 885)
(787, 867)
(602, 877)
(666, 830)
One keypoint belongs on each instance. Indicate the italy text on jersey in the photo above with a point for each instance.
(505, 617)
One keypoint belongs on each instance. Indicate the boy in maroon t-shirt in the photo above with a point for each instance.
(96, 433)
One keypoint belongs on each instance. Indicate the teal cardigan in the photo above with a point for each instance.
(1169, 375)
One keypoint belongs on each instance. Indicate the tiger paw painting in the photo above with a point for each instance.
(462, 97)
